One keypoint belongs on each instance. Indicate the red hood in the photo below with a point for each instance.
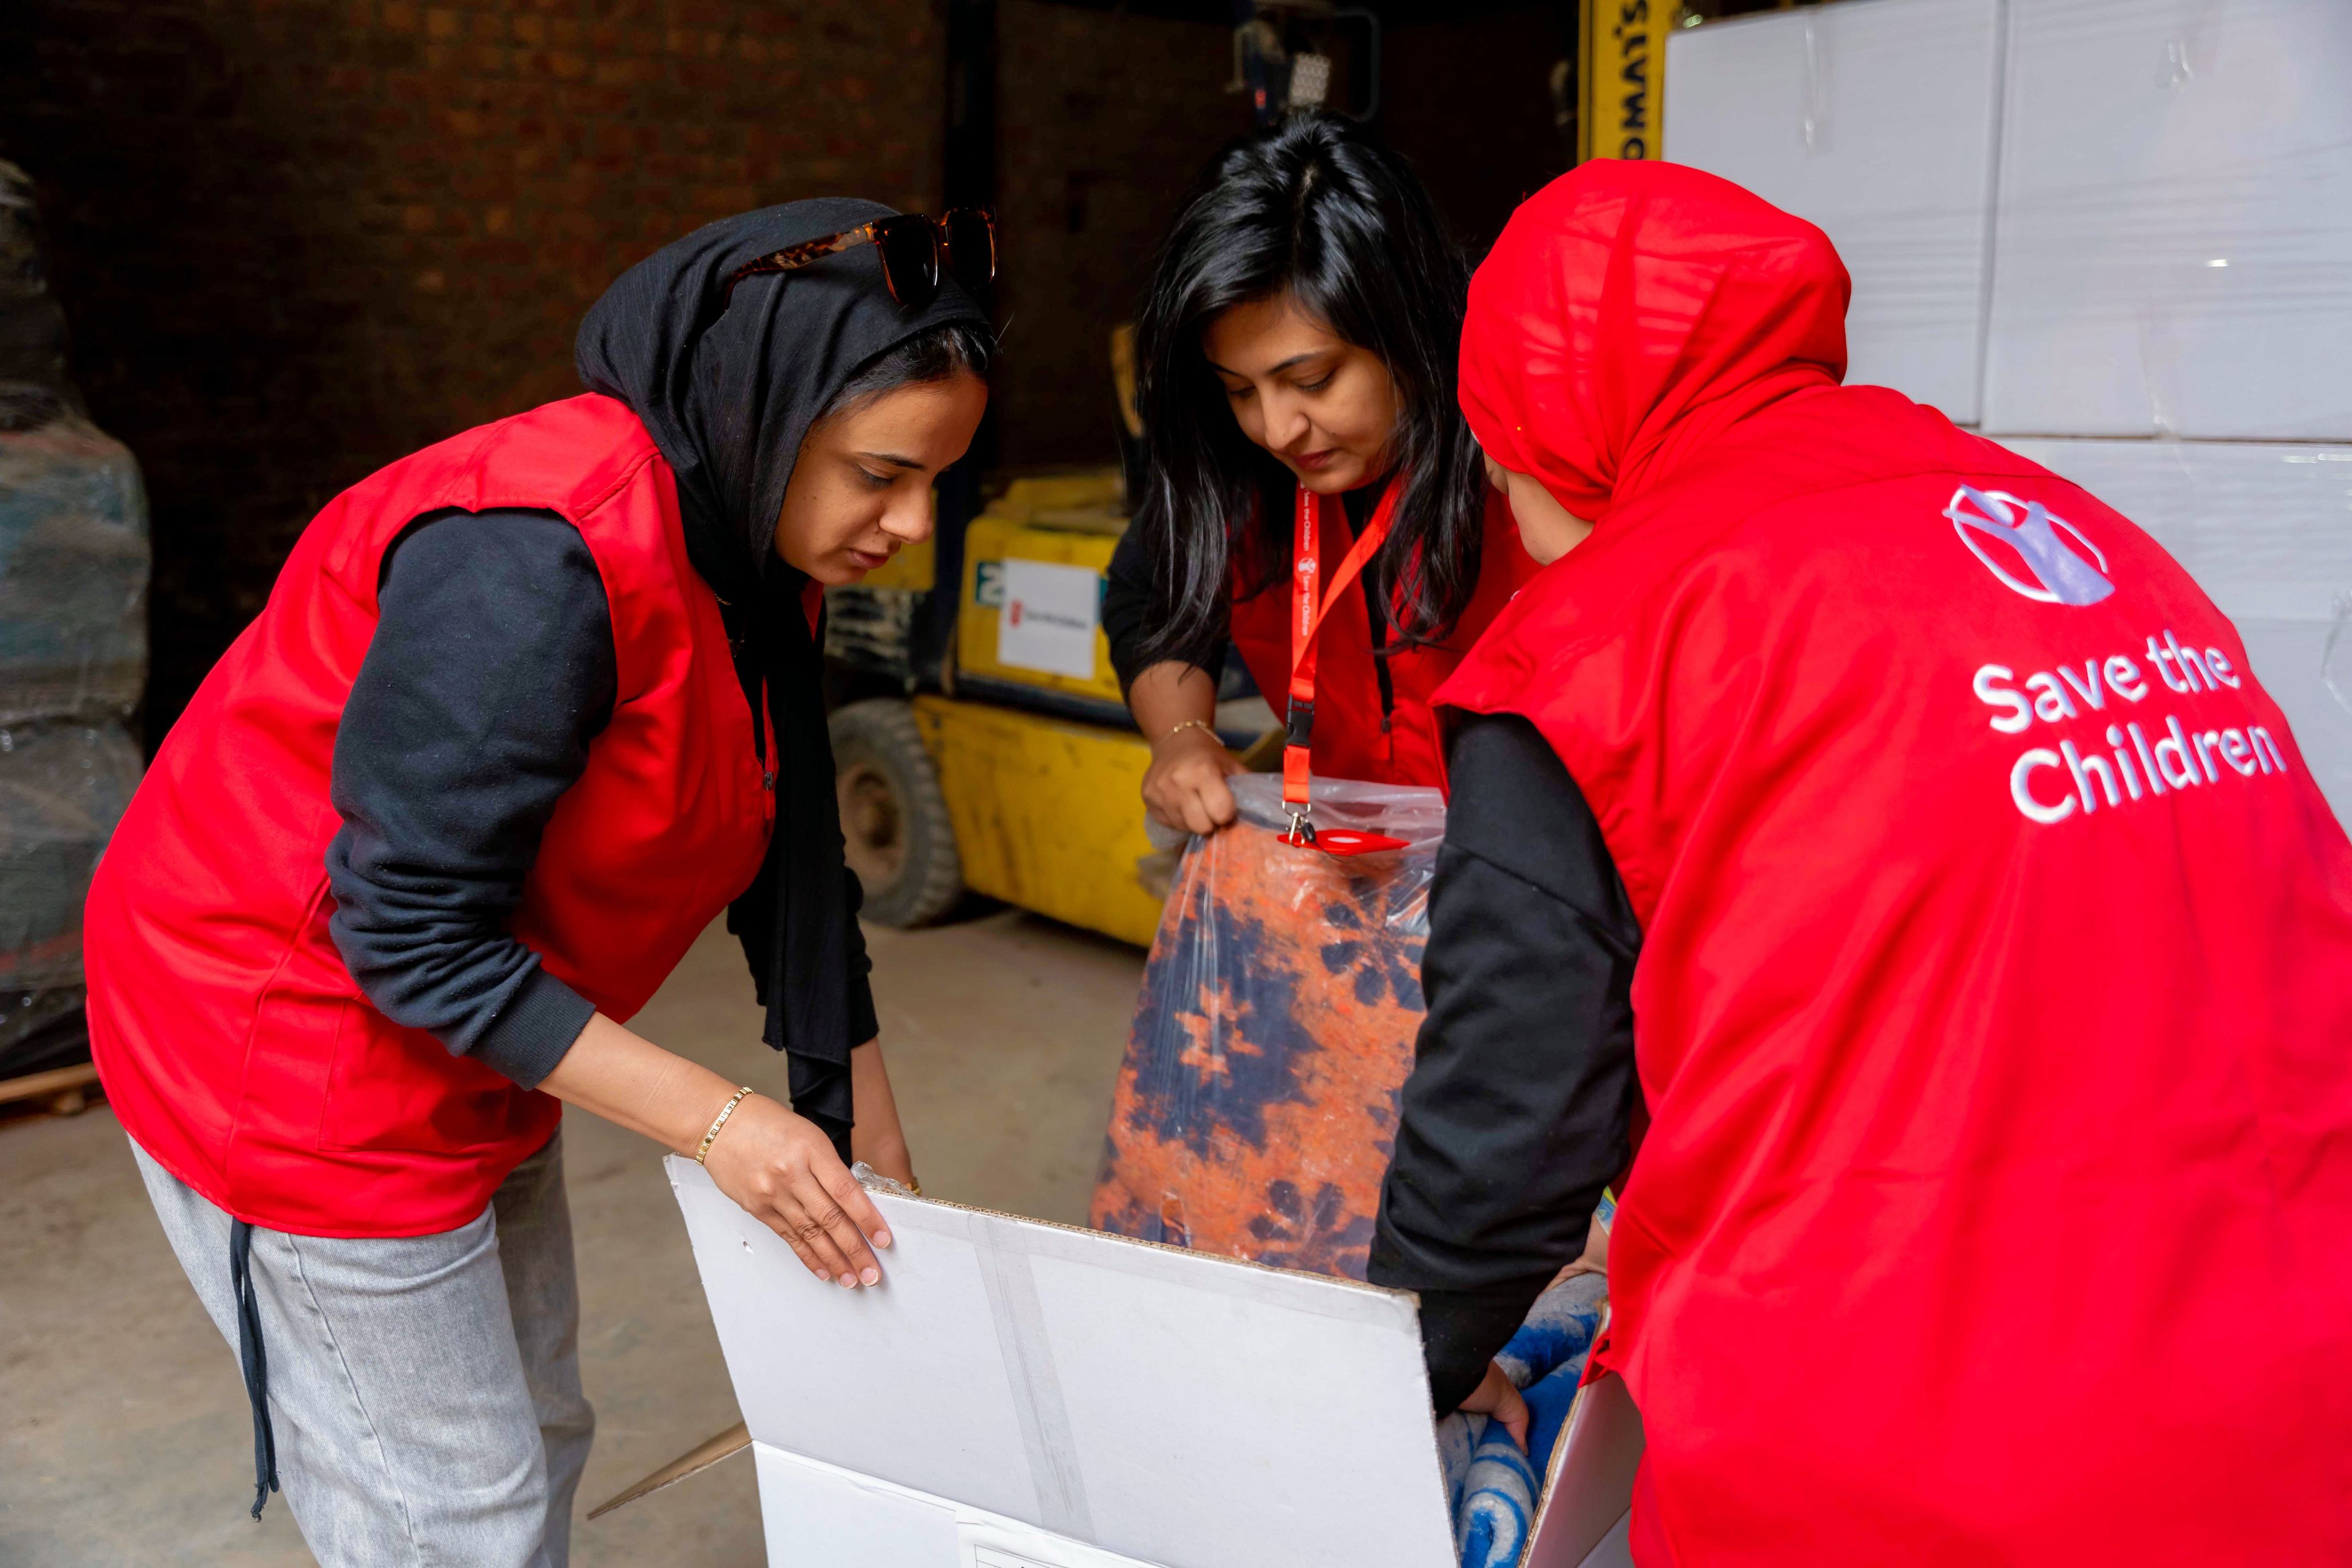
(1629, 312)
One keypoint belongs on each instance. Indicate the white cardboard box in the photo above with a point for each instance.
(2173, 250)
(2266, 529)
(1020, 1395)
(1877, 120)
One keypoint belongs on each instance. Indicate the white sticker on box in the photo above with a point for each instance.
(1048, 618)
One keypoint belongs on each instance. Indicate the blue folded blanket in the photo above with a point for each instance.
(1491, 1485)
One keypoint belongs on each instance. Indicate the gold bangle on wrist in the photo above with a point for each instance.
(701, 1154)
(1200, 723)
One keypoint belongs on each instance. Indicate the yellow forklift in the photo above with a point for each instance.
(1005, 765)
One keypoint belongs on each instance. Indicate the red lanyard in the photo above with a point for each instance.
(1307, 610)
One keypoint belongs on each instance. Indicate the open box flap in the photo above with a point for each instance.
(1589, 1486)
(1182, 1408)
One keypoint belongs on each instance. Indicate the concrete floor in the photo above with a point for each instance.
(124, 1431)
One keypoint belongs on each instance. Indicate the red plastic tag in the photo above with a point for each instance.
(1340, 841)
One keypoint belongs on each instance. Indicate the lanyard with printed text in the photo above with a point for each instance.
(1307, 610)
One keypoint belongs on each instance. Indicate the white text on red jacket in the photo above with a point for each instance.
(2122, 761)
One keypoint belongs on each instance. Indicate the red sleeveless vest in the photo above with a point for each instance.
(1351, 739)
(234, 1044)
(1994, 1014)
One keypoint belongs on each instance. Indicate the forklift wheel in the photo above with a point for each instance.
(894, 821)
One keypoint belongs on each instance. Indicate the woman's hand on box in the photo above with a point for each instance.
(1497, 1397)
(782, 1168)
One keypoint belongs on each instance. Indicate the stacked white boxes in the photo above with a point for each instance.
(1876, 120)
(2173, 245)
(2158, 300)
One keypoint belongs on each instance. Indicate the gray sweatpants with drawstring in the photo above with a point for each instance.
(425, 1389)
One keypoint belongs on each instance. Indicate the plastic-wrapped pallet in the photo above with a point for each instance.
(73, 573)
(63, 786)
(2173, 233)
(1257, 1106)
(1875, 119)
(73, 651)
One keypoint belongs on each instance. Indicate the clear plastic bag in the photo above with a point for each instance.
(73, 574)
(1256, 1108)
(62, 788)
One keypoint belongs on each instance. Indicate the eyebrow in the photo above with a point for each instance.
(1270, 369)
(892, 458)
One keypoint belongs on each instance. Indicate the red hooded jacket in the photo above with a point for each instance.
(1994, 1011)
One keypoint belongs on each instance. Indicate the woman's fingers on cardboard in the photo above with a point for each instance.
(860, 1204)
(801, 1249)
(850, 1243)
(824, 1226)
(811, 1242)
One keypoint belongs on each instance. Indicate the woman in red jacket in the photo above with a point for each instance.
(1295, 358)
(1913, 827)
(525, 711)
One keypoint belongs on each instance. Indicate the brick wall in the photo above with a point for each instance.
(299, 238)
(1469, 102)
(1103, 119)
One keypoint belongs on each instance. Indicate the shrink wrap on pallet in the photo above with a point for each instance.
(73, 573)
(2173, 249)
(62, 787)
(1876, 120)
(73, 651)
(1256, 1108)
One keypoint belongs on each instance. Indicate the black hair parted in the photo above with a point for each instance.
(1317, 208)
(935, 354)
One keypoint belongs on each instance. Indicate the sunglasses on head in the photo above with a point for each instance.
(914, 249)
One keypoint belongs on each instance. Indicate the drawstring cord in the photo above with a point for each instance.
(256, 1363)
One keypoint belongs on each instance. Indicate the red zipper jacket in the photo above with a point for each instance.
(233, 1043)
(1994, 1010)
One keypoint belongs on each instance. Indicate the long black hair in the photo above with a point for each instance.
(1316, 208)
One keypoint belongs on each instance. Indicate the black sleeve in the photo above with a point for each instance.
(1127, 605)
(1517, 1113)
(864, 1023)
(491, 669)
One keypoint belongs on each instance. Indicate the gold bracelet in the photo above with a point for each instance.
(1199, 723)
(725, 1111)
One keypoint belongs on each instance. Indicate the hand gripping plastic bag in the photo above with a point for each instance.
(1256, 1108)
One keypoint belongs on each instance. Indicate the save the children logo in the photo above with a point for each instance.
(2053, 572)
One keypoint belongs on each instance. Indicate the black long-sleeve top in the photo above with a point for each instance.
(1518, 1108)
(492, 671)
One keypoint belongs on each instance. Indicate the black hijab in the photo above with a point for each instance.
(727, 393)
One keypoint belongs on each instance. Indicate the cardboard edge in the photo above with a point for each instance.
(678, 1164)
(724, 1444)
(1603, 1438)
